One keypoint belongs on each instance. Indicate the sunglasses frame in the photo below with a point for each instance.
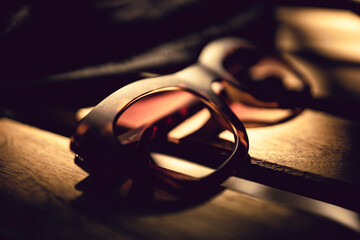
(95, 143)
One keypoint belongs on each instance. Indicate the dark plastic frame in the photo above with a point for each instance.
(95, 143)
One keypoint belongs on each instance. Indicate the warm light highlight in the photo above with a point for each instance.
(189, 126)
(181, 165)
(333, 33)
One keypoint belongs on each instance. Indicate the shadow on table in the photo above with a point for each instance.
(144, 193)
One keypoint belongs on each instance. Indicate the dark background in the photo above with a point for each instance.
(61, 55)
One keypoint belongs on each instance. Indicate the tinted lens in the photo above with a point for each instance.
(267, 90)
(181, 131)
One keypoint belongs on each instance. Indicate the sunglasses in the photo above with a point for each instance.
(190, 125)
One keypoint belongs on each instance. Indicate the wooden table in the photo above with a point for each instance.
(316, 154)
(39, 201)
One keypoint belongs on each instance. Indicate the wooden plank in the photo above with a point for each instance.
(39, 201)
(314, 154)
(313, 142)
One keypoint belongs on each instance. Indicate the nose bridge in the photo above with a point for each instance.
(200, 79)
(197, 77)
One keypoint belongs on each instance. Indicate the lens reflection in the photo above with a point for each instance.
(267, 89)
(181, 132)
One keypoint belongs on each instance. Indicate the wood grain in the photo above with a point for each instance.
(314, 154)
(39, 201)
(313, 142)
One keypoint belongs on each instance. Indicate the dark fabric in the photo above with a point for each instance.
(77, 52)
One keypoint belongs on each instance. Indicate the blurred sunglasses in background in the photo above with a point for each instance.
(189, 125)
